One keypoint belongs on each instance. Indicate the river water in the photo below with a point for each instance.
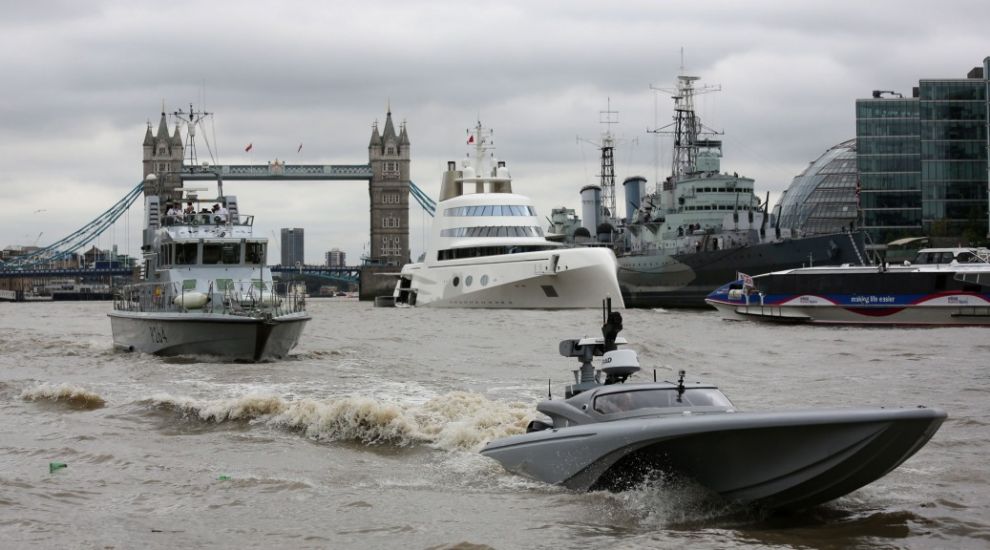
(368, 436)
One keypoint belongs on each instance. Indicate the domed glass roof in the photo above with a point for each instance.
(822, 199)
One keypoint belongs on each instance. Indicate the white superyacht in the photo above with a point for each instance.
(487, 248)
(207, 288)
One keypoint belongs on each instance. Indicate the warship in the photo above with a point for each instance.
(701, 225)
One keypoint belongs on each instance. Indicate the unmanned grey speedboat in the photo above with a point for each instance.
(611, 435)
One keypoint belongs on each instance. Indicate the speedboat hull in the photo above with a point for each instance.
(236, 337)
(771, 459)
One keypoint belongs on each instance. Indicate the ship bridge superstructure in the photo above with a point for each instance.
(478, 214)
(697, 200)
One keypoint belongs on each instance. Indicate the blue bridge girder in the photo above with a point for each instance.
(39, 272)
(350, 274)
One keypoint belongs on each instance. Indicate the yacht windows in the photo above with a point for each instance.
(491, 210)
(615, 402)
(185, 253)
(255, 253)
(481, 251)
(494, 231)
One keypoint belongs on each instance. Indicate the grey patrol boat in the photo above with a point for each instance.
(207, 289)
(610, 435)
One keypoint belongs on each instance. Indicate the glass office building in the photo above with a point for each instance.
(923, 160)
(822, 199)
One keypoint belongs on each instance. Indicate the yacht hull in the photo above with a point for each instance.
(560, 279)
(233, 337)
(777, 460)
(659, 279)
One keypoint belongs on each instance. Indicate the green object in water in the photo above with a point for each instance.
(52, 466)
(224, 478)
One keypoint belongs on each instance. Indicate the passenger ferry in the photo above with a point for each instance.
(942, 286)
(487, 248)
(207, 288)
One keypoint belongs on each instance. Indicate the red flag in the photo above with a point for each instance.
(248, 148)
(300, 148)
(470, 140)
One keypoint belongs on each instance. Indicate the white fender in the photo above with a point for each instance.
(191, 300)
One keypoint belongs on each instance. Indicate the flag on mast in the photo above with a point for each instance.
(249, 147)
(470, 139)
(747, 280)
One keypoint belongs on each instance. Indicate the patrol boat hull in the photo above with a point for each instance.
(234, 337)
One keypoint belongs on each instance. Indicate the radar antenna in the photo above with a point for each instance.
(608, 117)
(687, 129)
(191, 119)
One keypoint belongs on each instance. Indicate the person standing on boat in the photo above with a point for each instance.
(223, 213)
(172, 214)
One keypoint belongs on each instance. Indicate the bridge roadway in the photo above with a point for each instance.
(276, 171)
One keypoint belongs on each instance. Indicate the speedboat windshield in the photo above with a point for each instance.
(634, 399)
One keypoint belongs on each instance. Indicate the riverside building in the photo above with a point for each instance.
(922, 160)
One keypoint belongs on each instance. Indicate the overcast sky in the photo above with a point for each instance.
(81, 80)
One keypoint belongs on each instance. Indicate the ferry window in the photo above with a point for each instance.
(255, 253)
(185, 253)
(225, 284)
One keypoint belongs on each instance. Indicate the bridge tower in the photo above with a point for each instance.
(163, 157)
(388, 155)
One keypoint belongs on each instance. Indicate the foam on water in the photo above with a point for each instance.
(72, 396)
(452, 421)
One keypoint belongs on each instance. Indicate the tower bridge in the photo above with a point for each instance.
(164, 156)
(387, 174)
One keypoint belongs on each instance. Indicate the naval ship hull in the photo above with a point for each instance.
(234, 337)
(685, 280)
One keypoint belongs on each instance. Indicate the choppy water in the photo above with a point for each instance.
(368, 436)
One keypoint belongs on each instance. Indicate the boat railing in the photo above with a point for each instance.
(249, 298)
(258, 297)
(207, 218)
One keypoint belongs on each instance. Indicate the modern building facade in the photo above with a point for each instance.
(923, 163)
(293, 250)
(822, 199)
(336, 258)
